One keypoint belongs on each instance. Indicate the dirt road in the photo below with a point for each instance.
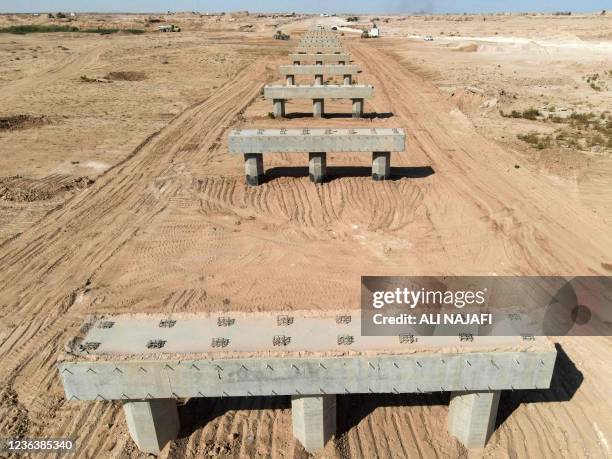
(174, 228)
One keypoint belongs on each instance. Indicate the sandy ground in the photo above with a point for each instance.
(169, 225)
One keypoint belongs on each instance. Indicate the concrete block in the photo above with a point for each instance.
(290, 80)
(381, 165)
(318, 79)
(357, 108)
(152, 423)
(317, 167)
(314, 420)
(329, 91)
(253, 168)
(318, 108)
(472, 416)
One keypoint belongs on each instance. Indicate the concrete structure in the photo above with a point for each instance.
(316, 142)
(152, 423)
(318, 58)
(314, 419)
(472, 416)
(319, 42)
(320, 49)
(317, 166)
(319, 71)
(149, 361)
(381, 165)
(279, 94)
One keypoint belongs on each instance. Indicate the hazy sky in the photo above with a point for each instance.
(309, 6)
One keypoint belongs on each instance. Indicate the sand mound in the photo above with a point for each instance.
(466, 48)
(19, 189)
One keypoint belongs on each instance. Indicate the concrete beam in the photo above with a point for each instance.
(320, 43)
(406, 373)
(331, 70)
(328, 91)
(323, 58)
(320, 49)
(472, 416)
(152, 423)
(313, 419)
(309, 140)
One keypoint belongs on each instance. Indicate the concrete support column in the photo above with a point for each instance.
(471, 416)
(341, 62)
(381, 165)
(253, 168)
(317, 167)
(318, 79)
(347, 79)
(296, 62)
(279, 108)
(318, 108)
(314, 419)
(319, 63)
(152, 423)
(357, 108)
(290, 80)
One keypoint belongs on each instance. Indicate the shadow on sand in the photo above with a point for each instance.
(338, 172)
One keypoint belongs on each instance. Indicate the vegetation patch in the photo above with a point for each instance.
(598, 82)
(24, 121)
(581, 131)
(536, 140)
(529, 114)
(126, 76)
(34, 28)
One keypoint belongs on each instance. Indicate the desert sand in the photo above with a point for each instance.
(117, 195)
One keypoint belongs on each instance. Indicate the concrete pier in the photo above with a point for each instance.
(381, 165)
(152, 423)
(290, 80)
(357, 108)
(149, 361)
(320, 49)
(318, 108)
(347, 79)
(317, 167)
(278, 108)
(318, 69)
(314, 420)
(253, 168)
(299, 59)
(318, 92)
(472, 416)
